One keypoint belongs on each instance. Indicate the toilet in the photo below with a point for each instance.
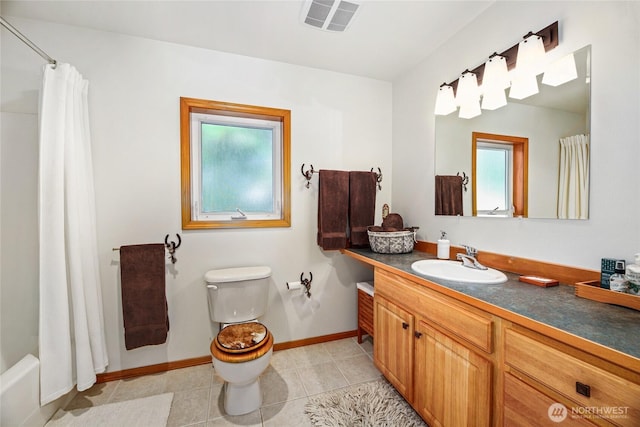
(243, 347)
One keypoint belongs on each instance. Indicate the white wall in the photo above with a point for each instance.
(338, 122)
(613, 230)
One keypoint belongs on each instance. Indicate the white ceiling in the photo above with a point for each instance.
(384, 39)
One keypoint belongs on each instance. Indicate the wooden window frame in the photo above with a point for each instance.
(192, 105)
(520, 184)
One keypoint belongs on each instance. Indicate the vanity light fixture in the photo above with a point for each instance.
(487, 82)
(496, 73)
(468, 97)
(561, 71)
(446, 100)
(467, 88)
(530, 55)
(528, 66)
(496, 79)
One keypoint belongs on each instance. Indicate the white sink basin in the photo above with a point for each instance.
(454, 271)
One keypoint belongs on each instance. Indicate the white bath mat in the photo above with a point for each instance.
(372, 404)
(150, 411)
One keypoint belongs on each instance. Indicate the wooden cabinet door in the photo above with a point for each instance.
(393, 345)
(452, 384)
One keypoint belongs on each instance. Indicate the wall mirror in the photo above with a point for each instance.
(554, 114)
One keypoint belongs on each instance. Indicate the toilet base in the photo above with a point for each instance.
(240, 399)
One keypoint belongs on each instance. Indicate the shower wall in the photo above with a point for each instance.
(18, 228)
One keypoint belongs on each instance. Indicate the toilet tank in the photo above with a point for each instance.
(237, 294)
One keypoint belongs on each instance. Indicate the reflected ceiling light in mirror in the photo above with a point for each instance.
(470, 109)
(446, 101)
(523, 86)
(561, 71)
(494, 99)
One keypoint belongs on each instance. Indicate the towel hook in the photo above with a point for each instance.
(306, 283)
(171, 247)
(307, 174)
(465, 180)
(378, 177)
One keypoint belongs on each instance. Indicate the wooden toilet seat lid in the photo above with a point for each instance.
(243, 355)
(241, 337)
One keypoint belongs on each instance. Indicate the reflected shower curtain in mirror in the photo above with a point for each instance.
(72, 341)
(573, 182)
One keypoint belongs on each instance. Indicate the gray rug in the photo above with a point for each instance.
(373, 404)
(150, 411)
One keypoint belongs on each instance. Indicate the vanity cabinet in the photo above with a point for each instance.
(589, 388)
(428, 346)
(394, 344)
(460, 360)
(452, 385)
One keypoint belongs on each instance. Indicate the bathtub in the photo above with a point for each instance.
(20, 396)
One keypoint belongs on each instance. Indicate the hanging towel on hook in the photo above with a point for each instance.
(362, 206)
(144, 300)
(333, 209)
(448, 195)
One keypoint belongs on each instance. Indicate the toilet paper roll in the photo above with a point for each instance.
(292, 286)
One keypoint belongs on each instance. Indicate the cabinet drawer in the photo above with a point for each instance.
(447, 314)
(613, 397)
(525, 406)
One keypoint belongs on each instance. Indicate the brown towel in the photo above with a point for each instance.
(333, 209)
(144, 301)
(362, 206)
(448, 195)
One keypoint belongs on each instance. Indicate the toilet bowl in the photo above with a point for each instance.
(242, 349)
(240, 367)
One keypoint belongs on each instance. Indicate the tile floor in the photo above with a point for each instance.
(293, 376)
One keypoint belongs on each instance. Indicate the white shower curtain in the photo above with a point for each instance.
(573, 183)
(71, 336)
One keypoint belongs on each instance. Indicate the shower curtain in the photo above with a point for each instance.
(72, 341)
(573, 183)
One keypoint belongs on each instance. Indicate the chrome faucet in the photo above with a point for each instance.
(469, 259)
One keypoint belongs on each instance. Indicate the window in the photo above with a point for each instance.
(235, 164)
(499, 175)
(493, 178)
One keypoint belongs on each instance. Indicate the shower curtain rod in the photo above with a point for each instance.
(28, 42)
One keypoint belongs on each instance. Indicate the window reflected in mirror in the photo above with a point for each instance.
(499, 175)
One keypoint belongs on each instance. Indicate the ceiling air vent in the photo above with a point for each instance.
(331, 15)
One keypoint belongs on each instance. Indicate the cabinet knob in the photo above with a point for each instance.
(417, 334)
(583, 389)
(405, 325)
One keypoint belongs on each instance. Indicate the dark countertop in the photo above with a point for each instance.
(605, 324)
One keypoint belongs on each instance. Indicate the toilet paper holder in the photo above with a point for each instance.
(306, 283)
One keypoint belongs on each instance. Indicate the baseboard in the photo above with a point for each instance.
(203, 360)
(314, 340)
(152, 369)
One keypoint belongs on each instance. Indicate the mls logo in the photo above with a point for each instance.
(557, 412)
